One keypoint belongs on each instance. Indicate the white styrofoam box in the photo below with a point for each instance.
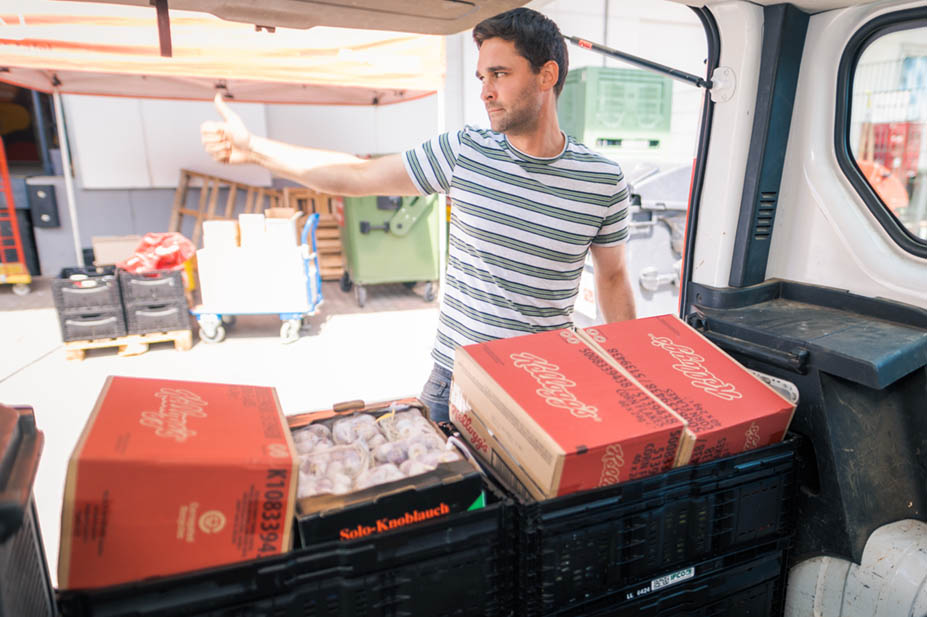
(220, 234)
(269, 279)
(281, 231)
(251, 228)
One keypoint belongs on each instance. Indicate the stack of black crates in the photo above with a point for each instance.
(460, 564)
(101, 302)
(89, 303)
(705, 540)
(701, 541)
(154, 301)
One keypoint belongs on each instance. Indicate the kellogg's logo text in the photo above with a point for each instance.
(612, 462)
(692, 366)
(752, 436)
(170, 420)
(554, 385)
(464, 421)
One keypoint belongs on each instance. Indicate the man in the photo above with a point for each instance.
(527, 202)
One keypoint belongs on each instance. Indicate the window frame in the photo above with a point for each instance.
(713, 39)
(884, 24)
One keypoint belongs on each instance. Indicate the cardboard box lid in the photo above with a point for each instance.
(344, 408)
(687, 371)
(96, 241)
(281, 213)
(548, 375)
(113, 249)
(155, 420)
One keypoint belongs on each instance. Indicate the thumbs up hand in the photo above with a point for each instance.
(227, 141)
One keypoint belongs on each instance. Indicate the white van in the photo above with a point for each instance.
(804, 256)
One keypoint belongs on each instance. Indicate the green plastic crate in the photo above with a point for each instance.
(606, 107)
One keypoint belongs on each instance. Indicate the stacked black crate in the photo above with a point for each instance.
(707, 539)
(154, 301)
(458, 565)
(89, 304)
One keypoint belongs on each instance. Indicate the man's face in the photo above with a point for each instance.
(511, 91)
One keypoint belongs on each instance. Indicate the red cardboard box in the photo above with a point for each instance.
(564, 416)
(170, 476)
(728, 409)
(485, 445)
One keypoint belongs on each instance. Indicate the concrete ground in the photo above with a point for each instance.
(376, 353)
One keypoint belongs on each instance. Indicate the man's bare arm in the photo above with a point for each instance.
(334, 173)
(613, 283)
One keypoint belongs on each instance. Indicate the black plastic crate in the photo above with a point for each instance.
(145, 318)
(25, 587)
(156, 287)
(457, 565)
(92, 324)
(585, 545)
(749, 583)
(96, 288)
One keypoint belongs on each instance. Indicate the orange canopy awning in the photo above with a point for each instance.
(105, 49)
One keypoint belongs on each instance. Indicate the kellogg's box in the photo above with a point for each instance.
(728, 409)
(171, 476)
(548, 410)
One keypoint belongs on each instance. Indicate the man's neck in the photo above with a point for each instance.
(545, 141)
(543, 145)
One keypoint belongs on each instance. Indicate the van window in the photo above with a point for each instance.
(888, 124)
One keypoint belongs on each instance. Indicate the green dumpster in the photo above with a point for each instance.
(390, 240)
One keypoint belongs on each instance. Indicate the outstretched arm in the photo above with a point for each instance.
(334, 173)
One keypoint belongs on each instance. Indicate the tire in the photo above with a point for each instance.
(212, 336)
(345, 283)
(289, 330)
(360, 294)
(430, 291)
(21, 289)
(229, 320)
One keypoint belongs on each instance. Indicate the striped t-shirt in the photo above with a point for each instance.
(520, 230)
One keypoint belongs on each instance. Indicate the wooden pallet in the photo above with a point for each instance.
(256, 200)
(131, 345)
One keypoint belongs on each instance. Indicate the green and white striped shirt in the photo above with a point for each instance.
(520, 230)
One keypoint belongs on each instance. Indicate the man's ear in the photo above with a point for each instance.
(548, 74)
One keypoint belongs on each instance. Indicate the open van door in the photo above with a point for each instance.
(801, 266)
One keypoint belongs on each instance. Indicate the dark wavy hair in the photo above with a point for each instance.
(537, 38)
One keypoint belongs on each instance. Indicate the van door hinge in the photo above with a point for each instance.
(723, 84)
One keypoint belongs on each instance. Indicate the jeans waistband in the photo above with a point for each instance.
(442, 371)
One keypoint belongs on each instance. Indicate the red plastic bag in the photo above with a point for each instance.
(159, 251)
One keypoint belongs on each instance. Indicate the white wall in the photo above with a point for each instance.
(358, 130)
(124, 143)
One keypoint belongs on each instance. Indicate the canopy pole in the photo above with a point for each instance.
(68, 180)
